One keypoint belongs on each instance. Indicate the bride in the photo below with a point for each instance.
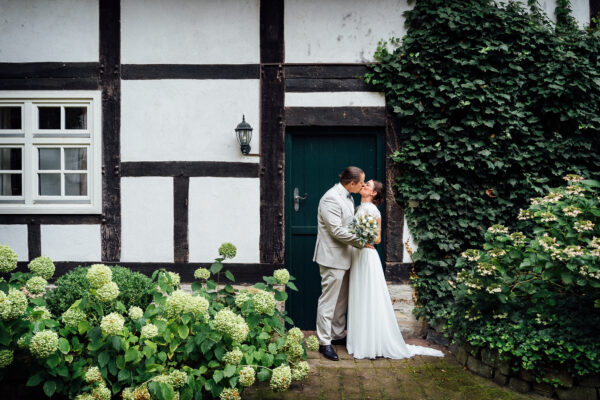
(372, 326)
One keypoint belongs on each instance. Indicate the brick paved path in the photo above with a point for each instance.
(412, 379)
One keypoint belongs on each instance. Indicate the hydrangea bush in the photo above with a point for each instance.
(214, 341)
(534, 294)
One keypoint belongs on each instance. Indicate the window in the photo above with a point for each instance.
(50, 152)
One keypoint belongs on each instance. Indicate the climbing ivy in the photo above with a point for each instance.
(495, 105)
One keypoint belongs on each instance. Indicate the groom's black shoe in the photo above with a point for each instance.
(339, 342)
(328, 352)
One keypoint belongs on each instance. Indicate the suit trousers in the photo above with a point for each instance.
(333, 304)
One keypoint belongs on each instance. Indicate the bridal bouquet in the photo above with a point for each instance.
(365, 228)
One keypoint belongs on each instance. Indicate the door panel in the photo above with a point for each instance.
(314, 159)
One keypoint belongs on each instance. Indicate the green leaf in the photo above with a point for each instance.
(292, 286)
(116, 343)
(49, 388)
(218, 376)
(216, 267)
(131, 355)
(229, 370)
(124, 375)
(103, 358)
(183, 331)
(280, 295)
(263, 374)
(229, 276)
(35, 379)
(161, 391)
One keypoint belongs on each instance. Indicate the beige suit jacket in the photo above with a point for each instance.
(334, 241)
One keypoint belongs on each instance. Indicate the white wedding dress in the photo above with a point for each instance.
(372, 326)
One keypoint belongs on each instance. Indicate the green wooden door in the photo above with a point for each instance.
(314, 159)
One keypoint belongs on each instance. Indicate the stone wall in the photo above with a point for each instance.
(403, 300)
(487, 363)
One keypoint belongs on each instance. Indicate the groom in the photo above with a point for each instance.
(333, 253)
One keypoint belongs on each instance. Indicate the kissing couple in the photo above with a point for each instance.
(352, 278)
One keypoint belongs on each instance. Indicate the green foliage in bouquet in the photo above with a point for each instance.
(494, 105)
(134, 288)
(533, 294)
(212, 341)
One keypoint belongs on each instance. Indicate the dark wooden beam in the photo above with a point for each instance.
(594, 12)
(49, 70)
(110, 60)
(325, 71)
(335, 116)
(186, 71)
(243, 273)
(394, 227)
(50, 219)
(271, 31)
(181, 186)
(34, 240)
(305, 85)
(398, 273)
(272, 142)
(50, 84)
(190, 168)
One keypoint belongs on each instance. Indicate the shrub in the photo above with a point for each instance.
(494, 104)
(133, 287)
(534, 294)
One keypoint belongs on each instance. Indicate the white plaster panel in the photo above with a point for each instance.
(49, 30)
(408, 237)
(147, 219)
(187, 120)
(190, 32)
(15, 236)
(335, 99)
(71, 242)
(340, 31)
(224, 210)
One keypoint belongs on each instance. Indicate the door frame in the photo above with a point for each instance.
(377, 131)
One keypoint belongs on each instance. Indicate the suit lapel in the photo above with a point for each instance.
(345, 201)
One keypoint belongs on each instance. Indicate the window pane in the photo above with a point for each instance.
(10, 185)
(49, 158)
(76, 159)
(76, 184)
(10, 117)
(10, 159)
(49, 117)
(75, 117)
(49, 184)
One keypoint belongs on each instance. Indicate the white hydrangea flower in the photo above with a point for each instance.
(93, 375)
(471, 254)
(8, 259)
(247, 376)
(571, 211)
(548, 216)
(42, 266)
(101, 393)
(312, 343)
(233, 357)
(524, 214)
(498, 229)
(45, 313)
(135, 313)
(6, 358)
(552, 197)
(575, 190)
(300, 371)
(294, 351)
(149, 331)
(281, 378)
(229, 323)
(99, 275)
(108, 292)
(496, 252)
(202, 273)
(573, 178)
(175, 278)
(264, 302)
(282, 276)
(43, 343)
(180, 302)
(518, 238)
(73, 316)
(582, 226)
(112, 324)
(36, 285)
(229, 394)
(295, 335)
(572, 251)
(178, 379)
(242, 297)
(13, 305)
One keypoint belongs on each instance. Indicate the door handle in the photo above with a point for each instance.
(297, 199)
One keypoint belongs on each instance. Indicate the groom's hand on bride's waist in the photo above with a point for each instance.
(369, 246)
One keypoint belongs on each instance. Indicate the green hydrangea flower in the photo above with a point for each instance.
(247, 376)
(108, 292)
(112, 324)
(312, 343)
(175, 278)
(135, 313)
(202, 273)
(43, 343)
(180, 302)
(227, 250)
(42, 266)
(127, 394)
(84, 396)
(73, 316)
(233, 357)
(6, 358)
(99, 275)
(294, 352)
(101, 393)
(149, 331)
(229, 323)
(8, 259)
(295, 335)
(230, 394)
(13, 305)
(22, 343)
(300, 371)
(264, 303)
(282, 276)
(242, 297)
(93, 375)
(39, 313)
(178, 378)
(36, 285)
(281, 378)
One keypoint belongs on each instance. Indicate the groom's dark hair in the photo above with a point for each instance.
(350, 174)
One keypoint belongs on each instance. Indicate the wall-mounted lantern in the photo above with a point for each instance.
(244, 135)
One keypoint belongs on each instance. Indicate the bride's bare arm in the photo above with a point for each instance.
(378, 240)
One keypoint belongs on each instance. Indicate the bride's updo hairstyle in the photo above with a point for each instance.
(350, 174)
(380, 193)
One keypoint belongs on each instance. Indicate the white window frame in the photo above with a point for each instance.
(30, 139)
